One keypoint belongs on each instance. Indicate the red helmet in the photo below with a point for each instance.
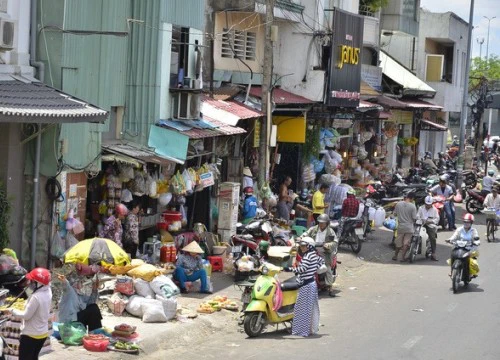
(248, 190)
(40, 275)
(121, 209)
(468, 218)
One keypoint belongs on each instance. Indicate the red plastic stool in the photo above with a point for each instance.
(216, 262)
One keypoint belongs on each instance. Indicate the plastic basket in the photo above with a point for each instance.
(490, 214)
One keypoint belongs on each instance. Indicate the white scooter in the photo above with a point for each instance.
(419, 238)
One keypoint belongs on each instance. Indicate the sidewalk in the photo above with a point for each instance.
(156, 338)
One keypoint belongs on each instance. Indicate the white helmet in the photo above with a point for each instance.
(429, 200)
(306, 240)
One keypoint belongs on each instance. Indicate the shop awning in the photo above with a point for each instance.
(282, 97)
(228, 112)
(130, 151)
(428, 125)
(420, 104)
(25, 100)
(389, 102)
(122, 159)
(168, 143)
(398, 73)
(203, 128)
(368, 106)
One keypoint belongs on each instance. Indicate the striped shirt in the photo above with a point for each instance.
(308, 266)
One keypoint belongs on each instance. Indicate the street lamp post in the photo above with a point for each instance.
(488, 36)
(480, 42)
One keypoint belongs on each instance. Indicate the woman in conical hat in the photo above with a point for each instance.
(190, 268)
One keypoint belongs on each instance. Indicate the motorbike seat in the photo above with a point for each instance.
(290, 284)
(392, 199)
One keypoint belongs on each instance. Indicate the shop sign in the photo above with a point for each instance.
(372, 75)
(207, 179)
(344, 77)
(256, 134)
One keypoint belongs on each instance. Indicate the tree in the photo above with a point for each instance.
(490, 69)
(372, 6)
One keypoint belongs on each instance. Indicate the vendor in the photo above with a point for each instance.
(79, 298)
(247, 178)
(131, 234)
(189, 267)
(303, 205)
(249, 206)
(113, 228)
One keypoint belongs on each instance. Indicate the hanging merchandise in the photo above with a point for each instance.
(126, 172)
(308, 173)
(318, 165)
(178, 185)
(126, 196)
(162, 186)
(188, 182)
(165, 199)
(139, 187)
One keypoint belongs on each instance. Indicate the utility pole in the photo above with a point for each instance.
(208, 51)
(463, 117)
(488, 36)
(266, 94)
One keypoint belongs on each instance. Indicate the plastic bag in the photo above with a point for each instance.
(7, 264)
(152, 311)
(164, 286)
(117, 303)
(169, 306)
(57, 247)
(139, 184)
(72, 333)
(124, 285)
(70, 241)
(134, 305)
(78, 227)
(143, 289)
(390, 224)
(146, 272)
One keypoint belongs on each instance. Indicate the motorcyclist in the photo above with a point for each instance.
(430, 218)
(428, 163)
(488, 182)
(442, 162)
(455, 141)
(326, 242)
(465, 232)
(449, 208)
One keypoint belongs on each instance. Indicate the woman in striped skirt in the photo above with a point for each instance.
(306, 310)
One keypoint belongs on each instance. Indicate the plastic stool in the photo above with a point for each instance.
(216, 262)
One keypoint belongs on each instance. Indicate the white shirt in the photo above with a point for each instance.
(424, 213)
(320, 237)
(36, 314)
(491, 202)
(488, 182)
(247, 182)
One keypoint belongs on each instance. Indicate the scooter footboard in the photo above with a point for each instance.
(257, 306)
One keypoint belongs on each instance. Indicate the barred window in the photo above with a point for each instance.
(244, 44)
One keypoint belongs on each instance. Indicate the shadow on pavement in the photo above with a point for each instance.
(471, 288)
(284, 334)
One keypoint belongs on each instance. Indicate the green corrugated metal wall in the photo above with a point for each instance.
(186, 13)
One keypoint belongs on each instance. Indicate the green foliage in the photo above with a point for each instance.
(373, 5)
(490, 69)
(5, 208)
(312, 145)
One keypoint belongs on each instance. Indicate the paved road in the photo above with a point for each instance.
(388, 310)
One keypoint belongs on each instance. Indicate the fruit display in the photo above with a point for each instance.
(126, 345)
(19, 304)
(216, 304)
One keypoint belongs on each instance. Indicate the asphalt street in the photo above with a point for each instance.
(387, 310)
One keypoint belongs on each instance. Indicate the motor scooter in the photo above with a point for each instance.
(475, 200)
(262, 311)
(438, 204)
(463, 262)
(419, 238)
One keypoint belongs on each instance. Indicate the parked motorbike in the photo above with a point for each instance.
(260, 311)
(463, 262)
(256, 231)
(352, 233)
(474, 202)
(419, 238)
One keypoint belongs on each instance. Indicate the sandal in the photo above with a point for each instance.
(395, 258)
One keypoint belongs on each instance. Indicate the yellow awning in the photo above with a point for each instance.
(291, 129)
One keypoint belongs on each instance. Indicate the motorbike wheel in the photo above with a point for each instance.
(455, 280)
(413, 251)
(355, 243)
(254, 323)
(472, 206)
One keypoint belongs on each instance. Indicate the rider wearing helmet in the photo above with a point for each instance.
(488, 182)
(428, 163)
(447, 191)
(455, 141)
(430, 218)
(466, 232)
(249, 205)
(35, 329)
(325, 241)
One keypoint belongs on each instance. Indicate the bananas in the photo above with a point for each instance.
(20, 304)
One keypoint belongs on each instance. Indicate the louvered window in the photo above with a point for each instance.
(243, 43)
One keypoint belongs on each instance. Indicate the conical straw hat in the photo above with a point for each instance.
(193, 247)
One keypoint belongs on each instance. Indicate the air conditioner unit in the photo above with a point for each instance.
(7, 30)
(186, 105)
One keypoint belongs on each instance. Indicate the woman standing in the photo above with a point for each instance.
(306, 311)
(131, 234)
(35, 327)
(113, 228)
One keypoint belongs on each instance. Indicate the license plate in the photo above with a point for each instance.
(359, 231)
(245, 298)
(236, 249)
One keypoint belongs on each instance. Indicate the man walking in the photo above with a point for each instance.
(406, 213)
(318, 201)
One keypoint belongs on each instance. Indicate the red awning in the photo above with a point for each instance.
(228, 112)
(390, 102)
(282, 97)
(432, 126)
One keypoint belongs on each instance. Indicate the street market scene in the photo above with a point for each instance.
(197, 178)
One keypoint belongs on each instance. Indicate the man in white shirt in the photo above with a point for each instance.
(492, 200)
(488, 182)
(430, 218)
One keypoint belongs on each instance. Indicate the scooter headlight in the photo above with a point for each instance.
(264, 270)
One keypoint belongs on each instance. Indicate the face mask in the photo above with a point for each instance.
(467, 226)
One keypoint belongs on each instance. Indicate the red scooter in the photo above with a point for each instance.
(439, 201)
